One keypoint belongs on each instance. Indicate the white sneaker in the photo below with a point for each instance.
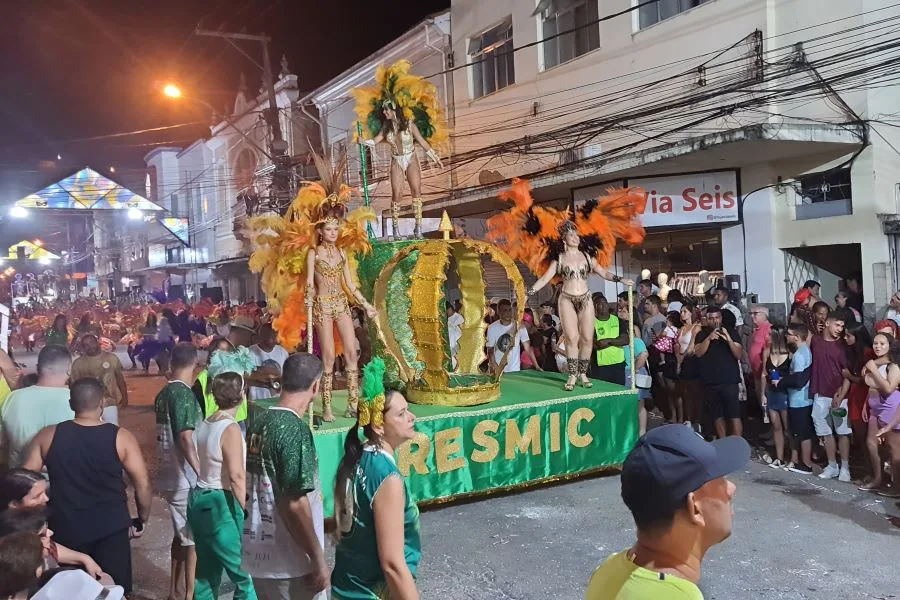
(844, 476)
(776, 464)
(687, 424)
(830, 472)
(788, 466)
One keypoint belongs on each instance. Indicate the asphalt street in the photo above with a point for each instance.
(795, 537)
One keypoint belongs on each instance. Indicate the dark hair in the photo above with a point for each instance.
(15, 485)
(646, 282)
(819, 305)
(21, 554)
(710, 310)
(53, 358)
(597, 296)
(151, 318)
(547, 321)
(30, 520)
(833, 315)
(504, 302)
(528, 311)
(85, 394)
(228, 389)
(353, 449)
(654, 300)
(675, 317)
(184, 355)
(623, 296)
(300, 372)
(893, 347)
(547, 305)
(675, 296)
(56, 319)
(811, 283)
(169, 315)
(857, 352)
(729, 321)
(800, 330)
(651, 517)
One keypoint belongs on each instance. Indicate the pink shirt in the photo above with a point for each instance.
(757, 344)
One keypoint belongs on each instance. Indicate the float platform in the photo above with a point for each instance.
(535, 433)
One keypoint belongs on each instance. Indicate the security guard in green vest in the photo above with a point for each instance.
(611, 338)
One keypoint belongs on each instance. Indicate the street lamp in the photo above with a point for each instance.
(135, 214)
(18, 212)
(171, 90)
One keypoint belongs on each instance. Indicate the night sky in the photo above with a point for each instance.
(73, 69)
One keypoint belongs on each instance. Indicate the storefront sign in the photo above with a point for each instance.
(696, 199)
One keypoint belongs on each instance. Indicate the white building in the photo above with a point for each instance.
(212, 183)
(735, 114)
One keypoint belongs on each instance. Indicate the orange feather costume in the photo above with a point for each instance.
(282, 245)
(534, 234)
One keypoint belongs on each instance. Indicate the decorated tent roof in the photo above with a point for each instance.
(32, 251)
(87, 189)
(177, 226)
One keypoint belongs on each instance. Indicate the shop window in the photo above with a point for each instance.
(654, 12)
(826, 194)
(579, 18)
(492, 59)
(175, 256)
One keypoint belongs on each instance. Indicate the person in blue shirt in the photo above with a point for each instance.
(799, 403)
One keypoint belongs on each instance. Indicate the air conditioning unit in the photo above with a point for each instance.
(571, 155)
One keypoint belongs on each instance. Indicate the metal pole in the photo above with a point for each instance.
(275, 119)
(309, 350)
(631, 335)
(364, 175)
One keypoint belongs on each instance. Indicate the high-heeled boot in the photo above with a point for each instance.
(352, 393)
(417, 211)
(583, 364)
(327, 383)
(572, 367)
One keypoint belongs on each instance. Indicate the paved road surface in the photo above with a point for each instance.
(795, 537)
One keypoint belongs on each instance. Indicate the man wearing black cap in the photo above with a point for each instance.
(674, 484)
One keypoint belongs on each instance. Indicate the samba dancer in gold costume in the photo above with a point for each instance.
(305, 259)
(402, 111)
(328, 274)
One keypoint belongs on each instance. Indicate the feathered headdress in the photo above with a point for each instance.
(371, 406)
(414, 96)
(283, 243)
(534, 234)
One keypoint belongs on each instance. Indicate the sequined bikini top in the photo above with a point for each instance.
(331, 276)
(568, 273)
(406, 145)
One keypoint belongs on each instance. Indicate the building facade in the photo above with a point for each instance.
(761, 130)
(215, 184)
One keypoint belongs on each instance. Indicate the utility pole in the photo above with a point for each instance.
(280, 189)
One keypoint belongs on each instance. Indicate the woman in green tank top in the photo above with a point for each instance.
(378, 548)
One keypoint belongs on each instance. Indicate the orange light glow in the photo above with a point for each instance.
(38, 243)
(171, 90)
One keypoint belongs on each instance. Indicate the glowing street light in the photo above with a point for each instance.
(18, 212)
(38, 243)
(171, 90)
(135, 214)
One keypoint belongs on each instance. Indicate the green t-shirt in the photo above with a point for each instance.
(357, 571)
(608, 330)
(620, 579)
(176, 411)
(281, 463)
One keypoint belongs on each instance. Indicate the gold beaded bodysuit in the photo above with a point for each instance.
(330, 301)
(404, 149)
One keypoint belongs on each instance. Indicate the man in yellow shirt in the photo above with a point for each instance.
(674, 484)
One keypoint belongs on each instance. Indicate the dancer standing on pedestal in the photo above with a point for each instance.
(307, 263)
(402, 110)
(554, 243)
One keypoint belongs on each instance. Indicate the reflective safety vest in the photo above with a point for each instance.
(209, 401)
(609, 330)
